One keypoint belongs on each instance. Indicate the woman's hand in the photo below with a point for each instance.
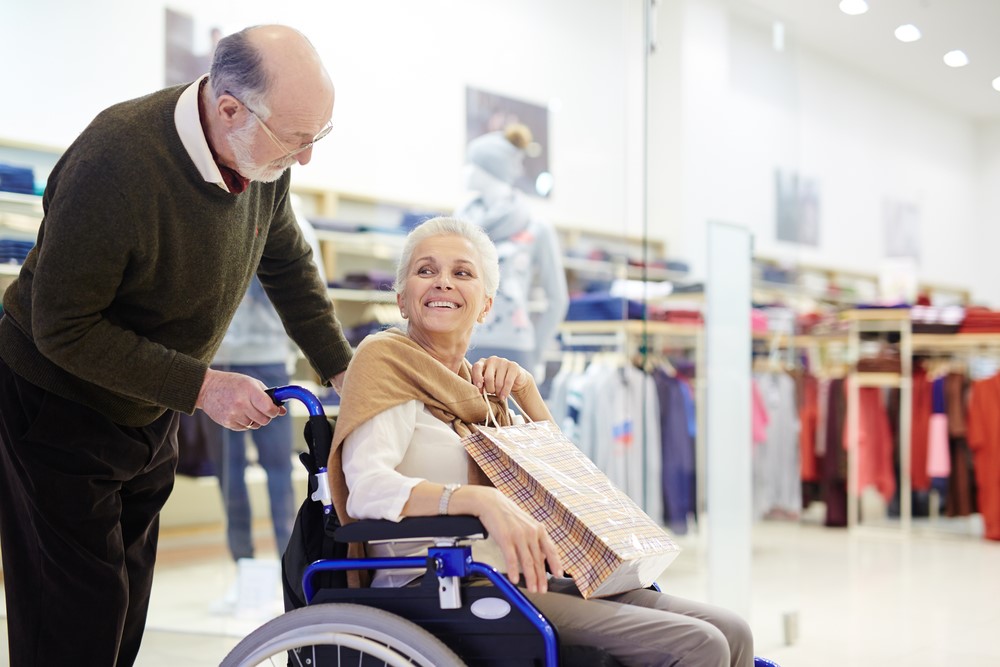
(525, 543)
(500, 376)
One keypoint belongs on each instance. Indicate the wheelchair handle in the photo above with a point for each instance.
(281, 394)
(322, 436)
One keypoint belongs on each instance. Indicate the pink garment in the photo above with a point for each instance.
(938, 455)
(759, 415)
(758, 321)
(875, 445)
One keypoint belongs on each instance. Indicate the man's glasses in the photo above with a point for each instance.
(273, 137)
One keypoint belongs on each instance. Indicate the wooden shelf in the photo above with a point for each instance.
(362, 295)
(876, 314)
(865, 379)
(631, 327)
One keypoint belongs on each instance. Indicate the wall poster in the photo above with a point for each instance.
(488, 112)
(796, 208)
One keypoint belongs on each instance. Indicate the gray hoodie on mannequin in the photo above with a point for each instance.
(531, 268)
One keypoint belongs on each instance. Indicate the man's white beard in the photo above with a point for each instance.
(241, 141)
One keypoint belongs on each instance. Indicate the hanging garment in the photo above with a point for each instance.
(678, 456)
(776, 475)
(808, 391)
(758, 416)
(875, 444)
(620, 430)
(983, 432)
(834, 465)
(961, 484)
(919, 430)
(938, 455)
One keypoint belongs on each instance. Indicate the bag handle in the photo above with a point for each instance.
(491, 418)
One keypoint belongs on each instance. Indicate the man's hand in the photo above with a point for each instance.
(236, 401)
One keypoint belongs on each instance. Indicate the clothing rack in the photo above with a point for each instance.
(644, 339)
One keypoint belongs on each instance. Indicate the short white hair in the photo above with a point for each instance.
(444, 226)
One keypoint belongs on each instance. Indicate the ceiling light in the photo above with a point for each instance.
(956, 58)
(907, 33)
(853, 7)
(996, 84)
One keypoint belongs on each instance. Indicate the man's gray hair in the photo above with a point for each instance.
(489, 263)
(238, 69)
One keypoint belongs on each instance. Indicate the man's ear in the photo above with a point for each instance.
(228, 108)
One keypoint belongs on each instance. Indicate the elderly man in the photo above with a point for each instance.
(156, 219)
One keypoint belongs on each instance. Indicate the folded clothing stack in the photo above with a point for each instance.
(603, 306)
(980, 320)
(13, 251)
(937, 319)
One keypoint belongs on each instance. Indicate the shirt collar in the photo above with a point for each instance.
(188, 123)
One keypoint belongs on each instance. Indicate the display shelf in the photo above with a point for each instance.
(956, 342)
(362, 295)
(632, 328)
(613, 269)
(15, 202)
(838, 286)
(875, 379)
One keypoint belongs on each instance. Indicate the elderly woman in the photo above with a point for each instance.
(408, 399)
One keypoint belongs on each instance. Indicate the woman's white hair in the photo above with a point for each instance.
(489, 263)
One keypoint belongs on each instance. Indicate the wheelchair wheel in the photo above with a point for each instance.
(335, 634)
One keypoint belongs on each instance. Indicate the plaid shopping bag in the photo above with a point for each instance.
(606, 542)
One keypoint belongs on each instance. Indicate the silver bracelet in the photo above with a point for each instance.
(446, 497)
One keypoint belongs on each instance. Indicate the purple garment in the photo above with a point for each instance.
(677, 473)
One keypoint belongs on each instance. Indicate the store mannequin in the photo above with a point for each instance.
(530, 257)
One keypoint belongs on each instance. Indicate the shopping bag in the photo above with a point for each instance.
(606, 542)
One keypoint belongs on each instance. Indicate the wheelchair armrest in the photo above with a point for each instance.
(427, 527)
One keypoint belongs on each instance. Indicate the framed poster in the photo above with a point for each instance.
(796, 208)
(901, 229)
(488, 112)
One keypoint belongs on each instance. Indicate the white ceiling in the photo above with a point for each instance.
(867, 42)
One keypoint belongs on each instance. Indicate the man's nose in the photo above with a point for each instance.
(305, 156)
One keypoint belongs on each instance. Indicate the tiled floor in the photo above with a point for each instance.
(864, 599)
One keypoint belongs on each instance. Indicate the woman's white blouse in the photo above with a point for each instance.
(384, 458)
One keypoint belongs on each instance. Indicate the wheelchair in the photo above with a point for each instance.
(435, 622)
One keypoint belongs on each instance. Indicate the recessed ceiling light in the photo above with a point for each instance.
(853, 7)
(996, 84)
(908, 33)
(956, 58)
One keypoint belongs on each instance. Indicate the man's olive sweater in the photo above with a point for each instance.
(140, 265)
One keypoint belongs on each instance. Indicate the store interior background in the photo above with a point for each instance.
(649, 145)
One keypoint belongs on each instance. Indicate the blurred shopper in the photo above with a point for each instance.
(256, 345)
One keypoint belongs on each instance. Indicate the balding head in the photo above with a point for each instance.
(268, 66)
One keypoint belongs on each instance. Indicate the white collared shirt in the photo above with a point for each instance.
(188, 123)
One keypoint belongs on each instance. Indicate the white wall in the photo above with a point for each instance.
(400, 68)
(748, 109)
(983, 252)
